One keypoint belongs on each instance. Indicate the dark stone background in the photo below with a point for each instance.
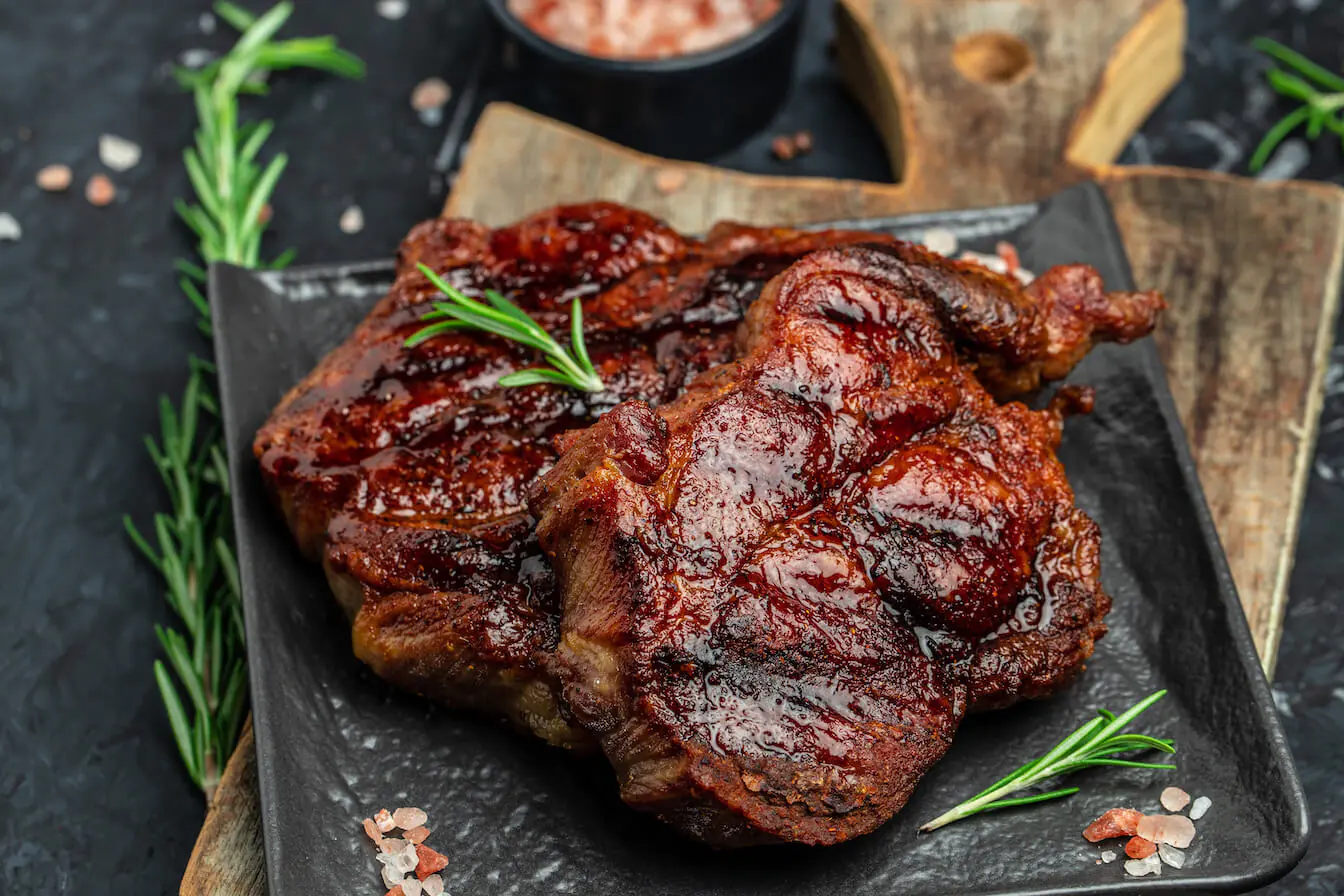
(92, 327)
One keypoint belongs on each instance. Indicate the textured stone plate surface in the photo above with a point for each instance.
(335, 744)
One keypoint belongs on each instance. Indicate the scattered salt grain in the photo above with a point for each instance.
(372, 830)
(55, 178)
(431, 862)
(433, 885)
(431, 93)
(1174, 799)
(206, 23)
(10, 231)
(417, 835)
(1107, 856)
(196, 57)
(411, 887)
(352, 221)
(396, 890)
(118, 153)
(408, 858)
(1174, 829)
(940, 240)
(392, 875)
(384, 820)
(392, 10)
(1171, 855)
(1144, 867)
(669, 180)
(409, 817)
(392, 845)
(992, 262)
(1140, 848)
(1113, 823)
(802, 141)
(100, 191)
(1199, 807)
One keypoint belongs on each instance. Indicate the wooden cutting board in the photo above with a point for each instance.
(986, 102)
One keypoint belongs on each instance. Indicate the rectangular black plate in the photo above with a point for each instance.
(334, 743)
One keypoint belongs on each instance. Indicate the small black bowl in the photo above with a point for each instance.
(687, 107)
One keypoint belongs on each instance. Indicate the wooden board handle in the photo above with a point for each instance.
(988, 102)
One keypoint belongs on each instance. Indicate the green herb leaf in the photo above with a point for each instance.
(1090, 745)
(504, 319)
(1319, 91)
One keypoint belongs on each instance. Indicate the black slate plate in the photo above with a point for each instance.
(334, 743)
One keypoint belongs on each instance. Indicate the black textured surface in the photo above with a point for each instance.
(334, 745)
(92, 797)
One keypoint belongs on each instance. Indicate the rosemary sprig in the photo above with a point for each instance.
(204, 681)
(1319, 92)
(505, 319)
(1096, 743)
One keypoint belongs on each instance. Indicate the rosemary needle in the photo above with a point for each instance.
(1318, 91)
(505, 319)
(1094, 744)
(204, 681)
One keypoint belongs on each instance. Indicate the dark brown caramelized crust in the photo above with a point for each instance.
(404, 470)
(784, 590)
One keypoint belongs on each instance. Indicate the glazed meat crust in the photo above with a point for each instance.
(404, 470)
(783, 590)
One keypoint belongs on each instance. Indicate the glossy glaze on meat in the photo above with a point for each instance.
(784, 590)
(404, 470)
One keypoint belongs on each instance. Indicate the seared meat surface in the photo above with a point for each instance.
(792, 552)
(784, 590)
(404, 470)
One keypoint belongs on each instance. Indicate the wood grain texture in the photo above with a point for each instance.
(228, 859)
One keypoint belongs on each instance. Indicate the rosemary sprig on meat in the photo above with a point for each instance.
(505, 319)
(1319, 92)
(1094, 744)
(204, 681)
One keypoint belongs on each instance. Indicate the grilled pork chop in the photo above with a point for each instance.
(782, 591)
(404, 470)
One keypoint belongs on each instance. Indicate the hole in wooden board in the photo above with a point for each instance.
(992, 57)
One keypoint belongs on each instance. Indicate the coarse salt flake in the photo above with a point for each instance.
(417, 835)
(1171, 855)
(372, 830)
(431, 862)
(431, 93)
(1139, 848)
(1113, 823)
(352, 222)
(392, 845)
(407, 818)
(10, 231)
(1199, 807)
(55, 178)
(411, 887)
(1107, 856)
(940, 240)
(384, 820)
(433, 885)
(392, 10)
(118, 153)
(1174, 799)
(392, 875)
(1174, 829)
(1144, 867)
(100, 191)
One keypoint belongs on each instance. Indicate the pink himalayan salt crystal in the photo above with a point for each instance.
(1176, 830)
(407, 818)
(433, 885)
(1174, 799)
(411, 887)
(372, 830)
(384, 820)
(1113, 823)
(417, 835)
(392, 844)
(1139, 848)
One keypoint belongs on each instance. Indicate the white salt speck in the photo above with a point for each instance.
(1107, 856)
(118, 153)
(407, 859)
(1171, 855)
(1199, 807)
(1283, 703)
(206, 23)
(940, 240)
(1144, 867)
(392, 845)
(1174, 799)
(411, 887)
(433, 885)
(392, 10)
(1287, 162)
(392, 875)
(352, 220)
(10, 231)
(431, 117)
(196, 58)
